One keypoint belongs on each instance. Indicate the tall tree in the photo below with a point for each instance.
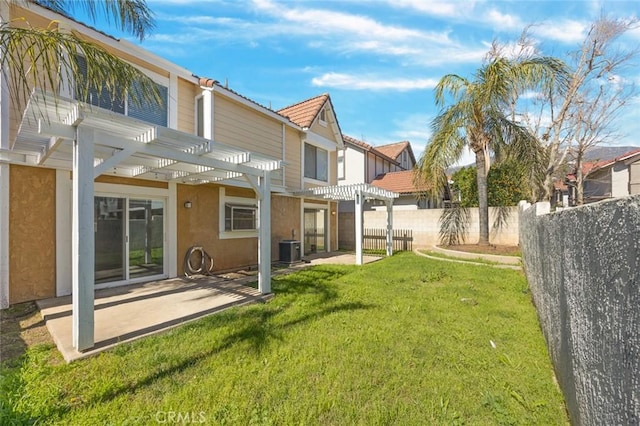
(45, 56)
(478, 117)
(574, 117)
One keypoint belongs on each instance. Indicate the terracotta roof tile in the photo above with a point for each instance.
(357, 142)
(393, 150)
(303, 113)
(402, 182)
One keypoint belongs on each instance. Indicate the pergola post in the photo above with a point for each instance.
(358, 218)
(389, 227)
(83, 244)
(264, 233)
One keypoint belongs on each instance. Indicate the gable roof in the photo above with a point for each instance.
(401, 182)
(394, 150)
(357, 142)
(303, 113)
(592, 166)
(367, 147)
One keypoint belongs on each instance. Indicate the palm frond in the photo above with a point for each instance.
(132, 16)
(46, 58)
(454, 225)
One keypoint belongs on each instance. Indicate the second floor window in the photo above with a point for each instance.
(341, 164)
(155, 114)
(316, 163)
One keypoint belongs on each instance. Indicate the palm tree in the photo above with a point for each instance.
(42, 57)
(481, 118)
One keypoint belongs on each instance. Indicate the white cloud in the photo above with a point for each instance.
(567, 31)
(503, 21)
(434, 8)
(367, 82)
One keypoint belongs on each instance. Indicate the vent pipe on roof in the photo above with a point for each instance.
(226, 83)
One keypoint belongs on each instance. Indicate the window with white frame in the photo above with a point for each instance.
(239, 217)
(316, 163)
(323, 116)
(341, 164)
(101, 97)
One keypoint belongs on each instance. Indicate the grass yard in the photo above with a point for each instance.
(406, 340)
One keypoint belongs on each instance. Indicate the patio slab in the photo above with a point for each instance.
(130, 312)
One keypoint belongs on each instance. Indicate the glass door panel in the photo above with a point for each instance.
(314, 230)
(109, 231)
(146, 237)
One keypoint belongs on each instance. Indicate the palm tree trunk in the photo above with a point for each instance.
(483, 205)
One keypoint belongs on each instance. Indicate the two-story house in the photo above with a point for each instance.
(94, 194)
(388, 167)
(614, 177)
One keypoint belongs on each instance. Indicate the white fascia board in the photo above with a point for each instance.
(119, 44)
(320, 141)
(248, 103)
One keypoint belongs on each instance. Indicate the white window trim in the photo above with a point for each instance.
(312, 180)
(322, 122)
(223, 200)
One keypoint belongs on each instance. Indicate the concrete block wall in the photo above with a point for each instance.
(425, 226)
(583, 268)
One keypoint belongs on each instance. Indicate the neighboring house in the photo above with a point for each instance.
(205, 170)
(615, 177)
(401, 152)
(360, 162)
(412, 196)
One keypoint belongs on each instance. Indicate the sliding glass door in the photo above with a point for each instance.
(129, 238)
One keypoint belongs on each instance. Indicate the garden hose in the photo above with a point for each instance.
(204, 268)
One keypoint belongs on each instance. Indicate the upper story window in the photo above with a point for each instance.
(316, 163)
(341, 164)
(155, 114)
(323, 116)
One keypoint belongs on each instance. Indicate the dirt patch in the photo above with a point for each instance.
(490, 249)
(21, 326)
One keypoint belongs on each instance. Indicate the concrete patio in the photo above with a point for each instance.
(129, 312)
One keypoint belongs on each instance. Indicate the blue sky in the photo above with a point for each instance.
(379, 60)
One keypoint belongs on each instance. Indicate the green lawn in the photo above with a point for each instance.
(406, 340)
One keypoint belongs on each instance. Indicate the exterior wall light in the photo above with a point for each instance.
(187, 204)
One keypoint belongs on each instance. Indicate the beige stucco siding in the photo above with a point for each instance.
(285, 217)
(634, 178)
(237, 125)
(293, 170)
(198, 226)
(326, 131)
(187, 93)
(32, 233)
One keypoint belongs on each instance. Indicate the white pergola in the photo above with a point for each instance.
(89, 141)
(359, 193)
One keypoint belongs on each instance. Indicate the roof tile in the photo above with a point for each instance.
(401, 182)
(303, 113)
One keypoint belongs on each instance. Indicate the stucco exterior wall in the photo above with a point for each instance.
(199, 226)
(634, 178)
(619, 180)
(425, 226)
(285, 217)
(355, 165)
(583, 268)
(32, 237)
